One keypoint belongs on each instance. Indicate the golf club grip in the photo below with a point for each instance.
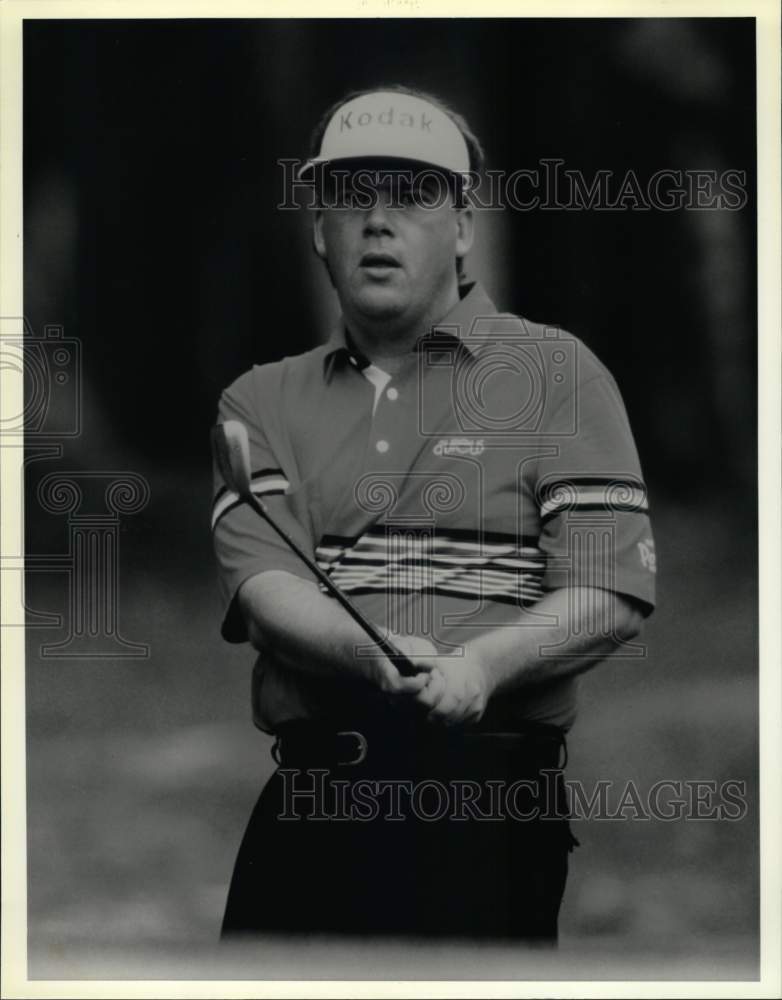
(402, 663)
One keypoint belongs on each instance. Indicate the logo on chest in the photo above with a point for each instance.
(459, 446)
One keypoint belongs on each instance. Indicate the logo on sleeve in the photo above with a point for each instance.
(648, 557)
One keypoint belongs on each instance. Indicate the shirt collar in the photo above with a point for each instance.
(473, 303)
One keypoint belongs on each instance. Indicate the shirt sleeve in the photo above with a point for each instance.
(592, 499)
(244, 543)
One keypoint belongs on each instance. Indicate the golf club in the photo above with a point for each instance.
(232, 454)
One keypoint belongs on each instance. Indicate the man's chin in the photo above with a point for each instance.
(379, 304)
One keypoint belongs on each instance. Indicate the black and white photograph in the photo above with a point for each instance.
(390, 501)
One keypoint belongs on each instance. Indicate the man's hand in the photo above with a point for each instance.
(457, 692)
(381, 672)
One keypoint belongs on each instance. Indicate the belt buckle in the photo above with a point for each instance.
(363, 746)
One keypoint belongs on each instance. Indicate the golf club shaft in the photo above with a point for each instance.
(402, 663)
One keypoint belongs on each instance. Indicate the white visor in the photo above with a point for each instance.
(390, 125)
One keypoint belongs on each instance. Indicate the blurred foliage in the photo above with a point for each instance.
(152, 234)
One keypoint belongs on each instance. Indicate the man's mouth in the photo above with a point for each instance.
(379, 262)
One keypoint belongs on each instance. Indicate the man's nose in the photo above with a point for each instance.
(377, 219)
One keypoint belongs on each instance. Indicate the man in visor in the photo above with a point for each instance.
(469, 479)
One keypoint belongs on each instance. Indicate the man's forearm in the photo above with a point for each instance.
(308, 632)
(590, 624)
(302, 626)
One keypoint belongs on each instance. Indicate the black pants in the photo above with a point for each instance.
(433, 833)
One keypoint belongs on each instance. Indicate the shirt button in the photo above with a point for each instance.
(382, 447)
(392, 394)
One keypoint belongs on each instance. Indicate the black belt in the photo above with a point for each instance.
(310, 743)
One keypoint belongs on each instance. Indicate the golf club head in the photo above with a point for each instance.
(231, 448)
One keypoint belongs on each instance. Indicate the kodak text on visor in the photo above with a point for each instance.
(396, 126)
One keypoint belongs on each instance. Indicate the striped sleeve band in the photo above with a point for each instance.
(265, 482)
(582, 494)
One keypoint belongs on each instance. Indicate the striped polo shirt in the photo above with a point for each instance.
(496, 466)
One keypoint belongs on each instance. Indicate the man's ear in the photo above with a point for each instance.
(465, 229)
(318, 241)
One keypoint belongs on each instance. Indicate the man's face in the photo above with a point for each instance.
(391, 245)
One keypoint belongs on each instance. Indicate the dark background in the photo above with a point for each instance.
(151, 235)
